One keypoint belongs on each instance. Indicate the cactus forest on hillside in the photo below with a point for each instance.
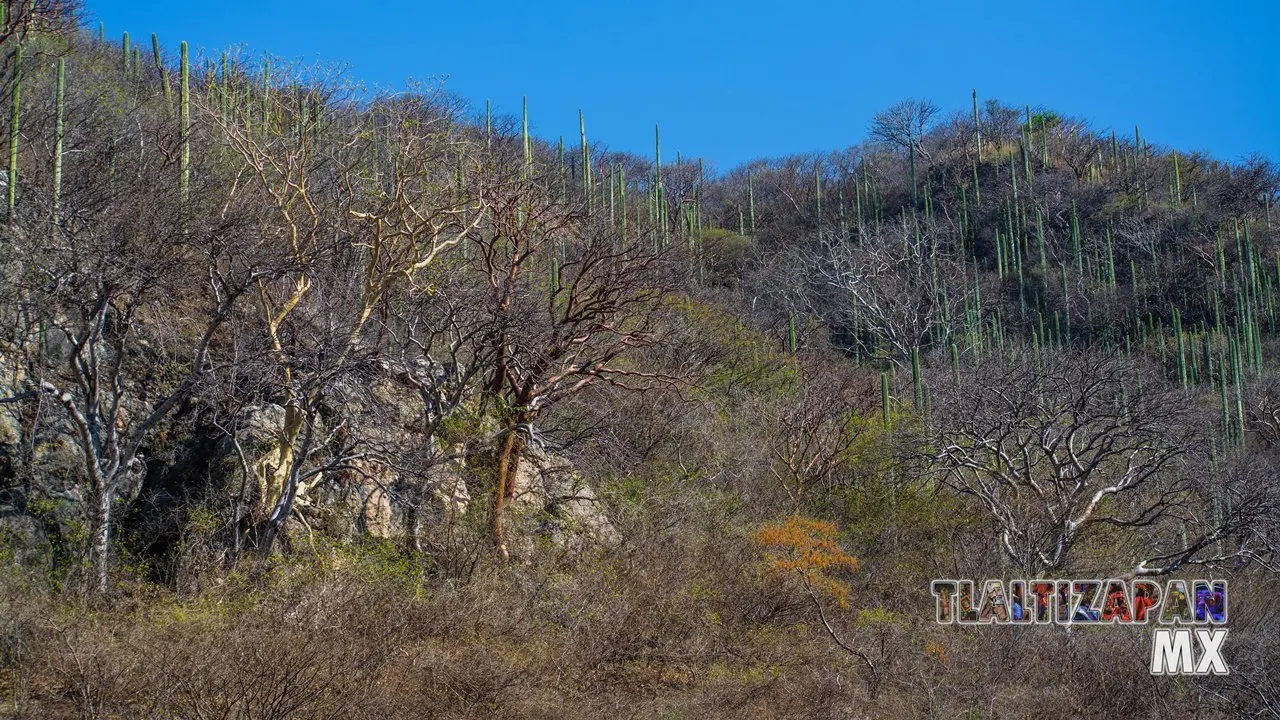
(318, 401)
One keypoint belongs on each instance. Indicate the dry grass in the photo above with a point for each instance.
(683, 629)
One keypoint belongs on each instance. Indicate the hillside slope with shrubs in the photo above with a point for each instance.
(316, 402)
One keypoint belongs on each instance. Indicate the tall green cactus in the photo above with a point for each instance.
(1044, 142)
(1182, 351)
(1024, 145)
(977, 127)
(585, 158)
(1177, 182)
(15, 115)
(1137, 156)
(58, 131)
(884, 399)
(622, 197)
(659, 198)
(524, 136)
(613, 206)
(564, 188)
(1111, 260)
(1044, 258)
(817, 192)
(1227, 430)
(184, 126)
(1076, 245)
(164, 72)
(657, 153)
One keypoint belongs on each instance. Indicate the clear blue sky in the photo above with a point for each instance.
(732, 81)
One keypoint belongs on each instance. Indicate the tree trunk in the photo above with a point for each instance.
(506, 466)
(102, 536)
(285, 477)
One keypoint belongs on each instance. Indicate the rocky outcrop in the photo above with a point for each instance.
(552, 501)
(23, 539)
(222, 464)
(563, 507)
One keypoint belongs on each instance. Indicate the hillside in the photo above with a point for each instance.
(318, 403)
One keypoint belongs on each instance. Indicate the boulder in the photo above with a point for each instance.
(564, 507)
(23, 539)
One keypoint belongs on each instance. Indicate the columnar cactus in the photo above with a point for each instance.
(524, 137)
(58, 128)
(184, 125)
(1177, 182)
(163, 71)
(884, 399)
(817, 192)
(977, 128)
(585, 159)
(622, 197)
(15, 115)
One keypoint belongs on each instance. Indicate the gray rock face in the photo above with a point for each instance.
(371, 497)
(552, 501)
(567, 508)
(45, 472)
(23, 539)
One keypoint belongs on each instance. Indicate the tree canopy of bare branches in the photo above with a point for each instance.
(1053, 446)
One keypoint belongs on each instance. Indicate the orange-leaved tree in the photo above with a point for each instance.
(808, 550)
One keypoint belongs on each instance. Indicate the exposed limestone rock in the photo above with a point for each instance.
(23, 539)
(365, 497)
(565, 509)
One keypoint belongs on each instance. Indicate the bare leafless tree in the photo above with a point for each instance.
(1077, 145)
(814, 431)
(123, 337)
(383, 193)
(900, 284)
(571, 298)
(904, 124)
(1054, 446)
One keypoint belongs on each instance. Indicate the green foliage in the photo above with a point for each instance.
(68, 536)
(725, 251)
(466, 423)
(1040, 121)
(743, 360)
